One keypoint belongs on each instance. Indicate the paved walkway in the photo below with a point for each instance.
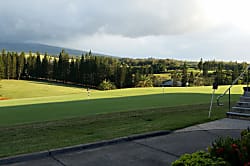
(153, 151)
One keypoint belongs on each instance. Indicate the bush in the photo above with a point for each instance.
(245, 144)
(106, 85)
(229, 149)
(198, 159)
(224, 151)
(145, 81)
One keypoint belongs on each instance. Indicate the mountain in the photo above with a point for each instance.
(42, 48)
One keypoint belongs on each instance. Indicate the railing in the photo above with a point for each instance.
(229, 88)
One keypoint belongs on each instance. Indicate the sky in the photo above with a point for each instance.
(174, 29)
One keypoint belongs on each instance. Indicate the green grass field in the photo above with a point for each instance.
(28, 92)
(42, 116)
(50, 105)
(18, 89)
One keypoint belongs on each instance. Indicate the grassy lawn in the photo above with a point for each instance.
(27, 92)
(51, 107)
(55, 111)
(64, 116)
(17, 89)
(34, 137)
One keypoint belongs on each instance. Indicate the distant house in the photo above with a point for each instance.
(171, 83)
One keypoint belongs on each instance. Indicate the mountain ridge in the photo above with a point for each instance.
(37, 47)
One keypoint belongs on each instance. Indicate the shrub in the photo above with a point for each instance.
(245, 144)
(224, 151)
(229, 149)
(198, 159)
(106, 85)
(233, 151)
(145, 81)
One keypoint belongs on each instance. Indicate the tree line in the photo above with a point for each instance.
(224, 73)
(110, 72)
(208, 72)
(88, 70)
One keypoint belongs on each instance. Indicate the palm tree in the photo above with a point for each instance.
(145, 81)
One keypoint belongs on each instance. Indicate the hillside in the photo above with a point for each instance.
(42, 48)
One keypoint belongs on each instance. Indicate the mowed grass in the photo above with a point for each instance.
(28, 92)
(37, 109)
(19, 89)
(42, 136)
(53, 120)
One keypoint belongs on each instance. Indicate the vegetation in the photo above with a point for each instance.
(31, 137)
(27, 126)
(39, 113)
(224, 151)
(74, 102)
(145, 81)
(198, 159)
(32, 92)
(90, 70)
(20, 89)
(106, 85)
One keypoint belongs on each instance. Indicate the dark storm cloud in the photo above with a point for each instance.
(38, 20)
(187, 29)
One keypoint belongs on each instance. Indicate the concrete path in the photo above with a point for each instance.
(152, 151)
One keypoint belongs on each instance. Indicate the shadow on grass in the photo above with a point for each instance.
(13, 115)
(57, 83)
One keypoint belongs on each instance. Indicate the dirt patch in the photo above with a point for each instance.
(4, 98)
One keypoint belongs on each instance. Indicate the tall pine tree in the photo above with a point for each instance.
(38, 65)
(7, 64)
(20, 64)
(200, 65)
(72, 72)
(1, 67)
(55, 69)
(14, 56)
(45, 66)
(31, 65)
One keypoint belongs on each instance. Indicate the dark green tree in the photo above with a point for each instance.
(219, 74)
(55, 69)
(82, 70)
(7, 64)
(200, 65)
(174, 77)
(145, 81)
(65, 69)
(122, 75)
(205, 69)
(137, 77)
(63, 66)
(1, 67)
(45, 66)
(191, 78)
(13, 64)
(77, 70)
(20, 64)
(184, 78)
(73, 70)
(38, 65)
(60, 66)
(235, 73)
(31, 65)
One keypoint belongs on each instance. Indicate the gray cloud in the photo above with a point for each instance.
(159, 28)
(61, 19)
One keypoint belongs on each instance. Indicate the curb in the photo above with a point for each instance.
(52, 152)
